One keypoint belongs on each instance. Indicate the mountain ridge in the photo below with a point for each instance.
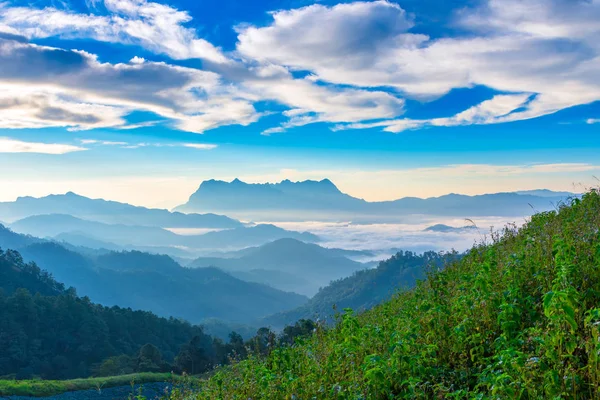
(153, 282)
(132, 236)
(322, 200)
(109, 211)
(286, 264)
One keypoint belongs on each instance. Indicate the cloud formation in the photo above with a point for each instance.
(351, 64)
(157, 27)
(540, 48)
(44, 86)
(8, 145)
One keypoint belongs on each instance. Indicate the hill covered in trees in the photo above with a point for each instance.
(515, 318)
(152, 282)
(50, 332)
(366, 288)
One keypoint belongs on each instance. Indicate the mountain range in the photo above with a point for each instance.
(101, 235)
(442, 228)
(110, 212)
(366, 288)
(153, 282)
(286, 264)
(322, 200)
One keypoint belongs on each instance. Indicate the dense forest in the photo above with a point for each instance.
(48, 331)
(366, 288)
(153, 282)
(517, 317)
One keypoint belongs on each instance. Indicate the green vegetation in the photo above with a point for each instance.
(153, 282)
(48, 332)
(366, 288)
(516, 318)
(40, 388)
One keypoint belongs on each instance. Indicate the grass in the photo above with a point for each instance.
(517, 318)
(41, 388)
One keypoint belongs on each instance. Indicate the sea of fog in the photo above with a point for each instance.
(383, 240)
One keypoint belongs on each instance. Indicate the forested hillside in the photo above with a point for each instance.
(152, 282)
(366, 288)
(515, 318)
(48, 331)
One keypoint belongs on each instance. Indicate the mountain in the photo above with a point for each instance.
(351, 254)
(287, 264)
(110, 212)
(159, 284)
(446, 228)
(16, 274)
(545, 193)
(249, 236)
(322, 200)
(81, 239)
(516, 318)
(365, 288)
(13, 240)
(285, 195)
(61, 227)
(50, 332)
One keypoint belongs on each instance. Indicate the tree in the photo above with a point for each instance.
(302, 328)
(149, 359)
(191, 359)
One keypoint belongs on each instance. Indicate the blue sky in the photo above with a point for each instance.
(140, 101)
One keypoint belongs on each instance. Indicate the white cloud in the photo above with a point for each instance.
(8, 145)
(310, 102)
(542, 55)
(102, 142)
(43, 86)
(593, 121)
(497, 109)
(137, 60)
(270, 131)
(516, 49)
(157, 27)
(200, 146)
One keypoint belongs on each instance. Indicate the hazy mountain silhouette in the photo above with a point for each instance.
(285, 195)
(286, 264)
(322, 200)
(447, 228)
(110, 212)
(154, 282)
(61, 226)
(365, 288)
(544, 193)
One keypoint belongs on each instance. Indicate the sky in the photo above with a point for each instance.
(140, 101)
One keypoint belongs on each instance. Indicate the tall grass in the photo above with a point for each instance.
(42, 388)
(516, 318)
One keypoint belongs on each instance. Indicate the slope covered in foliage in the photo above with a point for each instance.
(152, 282)
(515, 318)
(48, 331)
(366, 288)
